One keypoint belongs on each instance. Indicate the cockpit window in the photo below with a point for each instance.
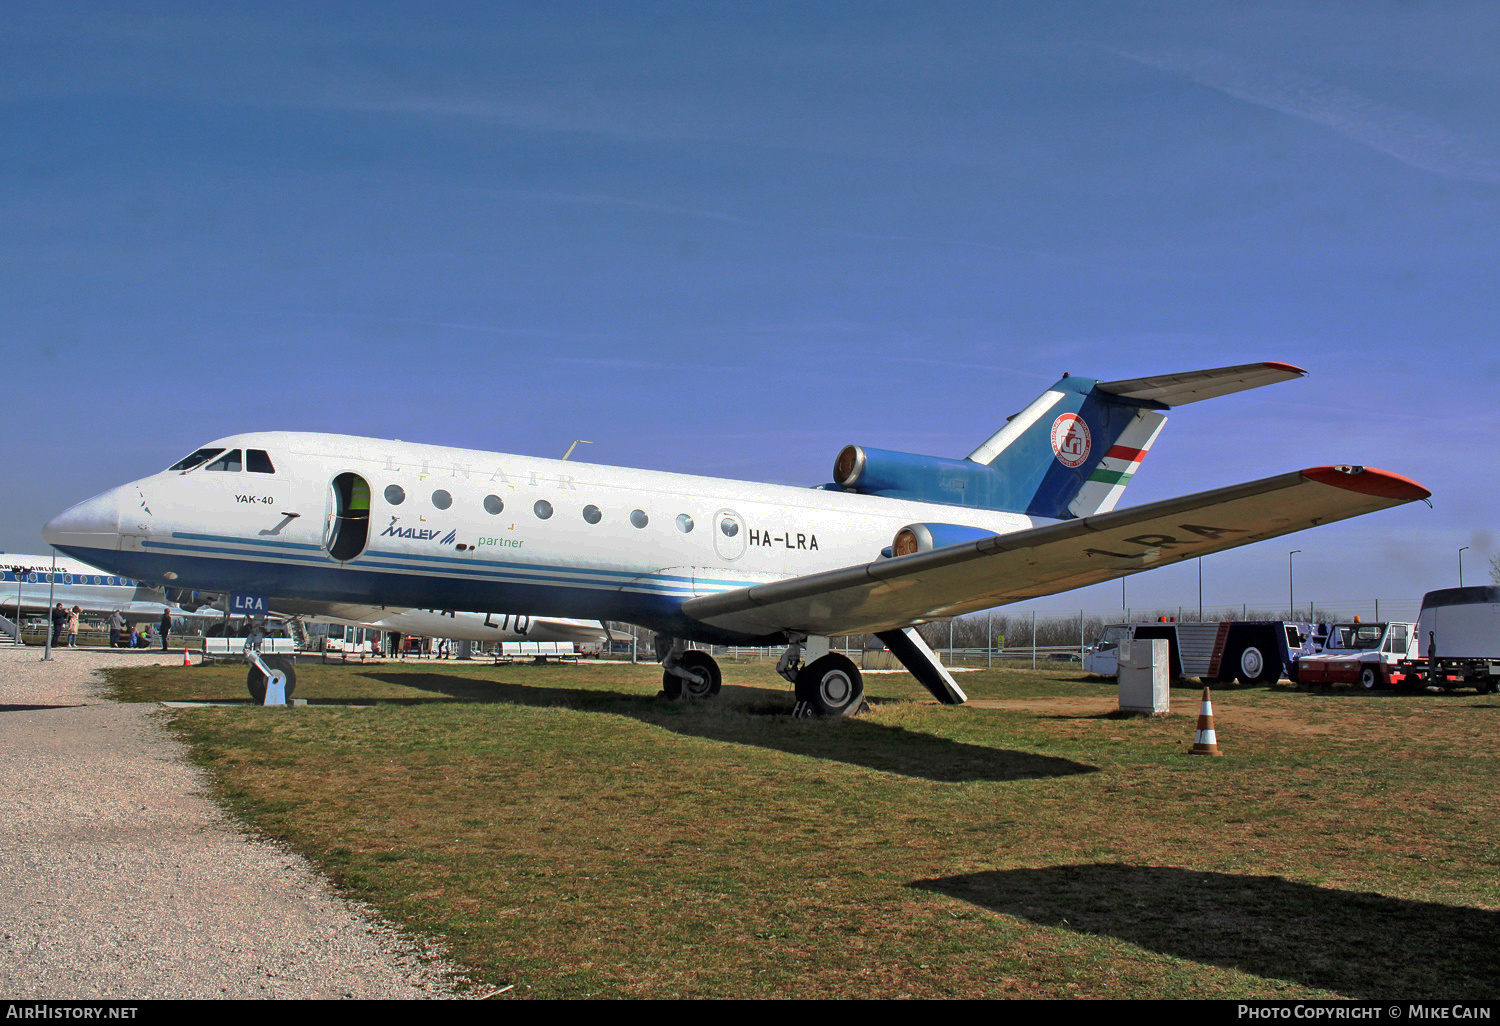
(229, 461)
(257, 461)
(189, 462)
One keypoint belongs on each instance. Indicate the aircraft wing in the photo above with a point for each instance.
(890, 593)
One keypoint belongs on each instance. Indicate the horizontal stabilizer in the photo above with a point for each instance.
(893, 593)
(1189, 387)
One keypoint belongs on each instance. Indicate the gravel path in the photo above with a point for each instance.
(120, 879)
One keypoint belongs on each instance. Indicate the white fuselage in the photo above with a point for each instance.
(464, 529)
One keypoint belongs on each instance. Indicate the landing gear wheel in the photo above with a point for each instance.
(256, 681)
(831, 686)
(1369, 679)
(706, 678)
(1255, 668)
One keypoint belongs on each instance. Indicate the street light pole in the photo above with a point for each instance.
(1291, 594)
(20, 572)
(1461, 566)
(51, 620)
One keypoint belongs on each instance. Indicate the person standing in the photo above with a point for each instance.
(116, 627)
(166, 626)
(59, 624)
(73, 615)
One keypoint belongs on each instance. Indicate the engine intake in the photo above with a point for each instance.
(914, 538)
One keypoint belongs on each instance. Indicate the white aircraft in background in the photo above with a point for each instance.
(486, 628)
(97, 592)
(896, 540)
(93, 590)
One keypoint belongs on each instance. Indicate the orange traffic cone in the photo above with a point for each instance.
(1204, 741)
(187, 659)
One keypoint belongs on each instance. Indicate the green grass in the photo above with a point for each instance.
(565, 830)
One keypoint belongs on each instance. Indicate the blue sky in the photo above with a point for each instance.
(730, 239)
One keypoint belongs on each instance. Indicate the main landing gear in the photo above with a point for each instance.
(687, 671)
(828, 684)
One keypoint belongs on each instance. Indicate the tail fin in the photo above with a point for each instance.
(1072, 451)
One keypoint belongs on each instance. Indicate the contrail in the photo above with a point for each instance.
(1408, 137)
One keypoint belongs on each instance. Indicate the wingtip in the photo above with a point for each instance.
(1368, 481)
(1290, 368)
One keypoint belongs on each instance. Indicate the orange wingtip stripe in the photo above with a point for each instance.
(1285, 366)
(1368, 481)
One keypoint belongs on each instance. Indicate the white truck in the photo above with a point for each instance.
(1456, 640)
(1367, 655)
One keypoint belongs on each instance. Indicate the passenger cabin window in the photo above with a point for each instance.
(258, 461)
(348, 517)
(201, 456)
(229, 461)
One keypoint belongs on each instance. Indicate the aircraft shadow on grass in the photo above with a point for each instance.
(1357, 944)
(751, 716)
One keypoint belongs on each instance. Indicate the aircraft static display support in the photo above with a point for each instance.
(923, 663)
(893, 541)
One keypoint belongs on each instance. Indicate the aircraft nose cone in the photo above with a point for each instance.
(92, 524)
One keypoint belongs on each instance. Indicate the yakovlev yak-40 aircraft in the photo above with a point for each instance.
(896, 540)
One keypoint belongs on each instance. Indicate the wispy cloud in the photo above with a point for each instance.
(648, 206)
(1410, 138)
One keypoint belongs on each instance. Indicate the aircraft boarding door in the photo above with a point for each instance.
(348, 527)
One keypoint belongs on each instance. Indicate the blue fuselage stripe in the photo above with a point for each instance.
(326, 581)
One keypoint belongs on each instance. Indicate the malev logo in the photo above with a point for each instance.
(419, 534)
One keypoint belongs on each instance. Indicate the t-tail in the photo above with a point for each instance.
(1069, 454)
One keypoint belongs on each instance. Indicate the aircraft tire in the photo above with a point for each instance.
(255, 681)
(704, 667)
(831, 686)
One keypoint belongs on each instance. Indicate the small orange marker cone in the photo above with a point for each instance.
(1204, 741)
(187, 659)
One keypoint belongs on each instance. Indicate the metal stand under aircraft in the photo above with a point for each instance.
(907, 646)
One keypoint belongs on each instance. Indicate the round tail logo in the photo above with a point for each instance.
(1070, 439)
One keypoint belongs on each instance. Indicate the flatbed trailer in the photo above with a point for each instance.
(1250, 651)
